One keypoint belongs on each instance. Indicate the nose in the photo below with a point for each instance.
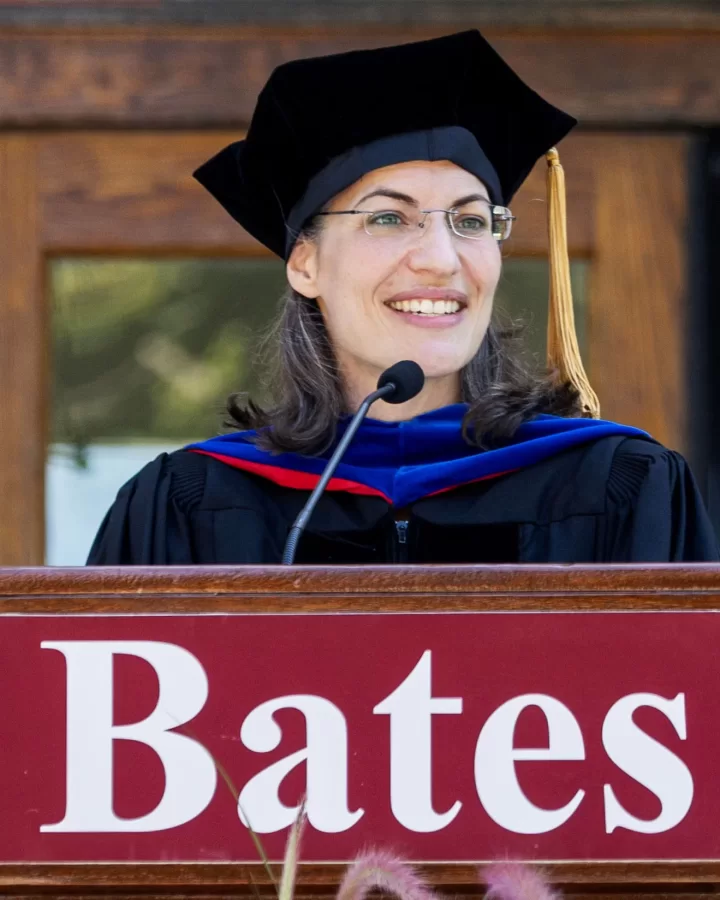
(434, 248)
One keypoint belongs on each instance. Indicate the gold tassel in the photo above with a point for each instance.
(563, 352)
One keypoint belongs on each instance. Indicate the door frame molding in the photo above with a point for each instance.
(161, 77)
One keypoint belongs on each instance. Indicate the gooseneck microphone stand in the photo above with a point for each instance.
(398, 384)
(299, 524)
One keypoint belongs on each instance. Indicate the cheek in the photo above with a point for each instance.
(483, 270)
(348, 282)
(483, 275)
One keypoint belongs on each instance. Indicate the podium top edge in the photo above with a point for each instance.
(220, 582)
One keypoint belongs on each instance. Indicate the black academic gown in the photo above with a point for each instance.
(618, 499)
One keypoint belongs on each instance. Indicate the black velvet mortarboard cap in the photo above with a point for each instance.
(313, 111)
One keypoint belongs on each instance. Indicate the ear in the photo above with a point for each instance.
(302, 269)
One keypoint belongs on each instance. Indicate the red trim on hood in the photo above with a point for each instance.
(301, 481)
(472, 481)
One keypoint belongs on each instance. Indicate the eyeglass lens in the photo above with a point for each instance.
(495, 223)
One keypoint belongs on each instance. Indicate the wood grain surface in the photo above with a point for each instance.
(22, 355)
(627, 14)
(210, 77)
(359, 588)
(133, 193)
(642, 880)
(130, 193)
(638, 346)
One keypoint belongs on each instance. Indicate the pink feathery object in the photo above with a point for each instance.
(379, 870)
(514, 881)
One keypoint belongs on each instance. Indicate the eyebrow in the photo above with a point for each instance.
(389, 192)
(471, 198)
(411, 201)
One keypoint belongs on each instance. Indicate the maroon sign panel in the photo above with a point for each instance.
(449, 737)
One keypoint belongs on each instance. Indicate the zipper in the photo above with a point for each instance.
(401, 530)
(400, 545)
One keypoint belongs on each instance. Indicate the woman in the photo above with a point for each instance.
(382, 177)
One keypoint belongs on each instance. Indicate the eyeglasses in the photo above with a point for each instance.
(395, 224)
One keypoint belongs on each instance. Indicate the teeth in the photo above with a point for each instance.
(426, 307)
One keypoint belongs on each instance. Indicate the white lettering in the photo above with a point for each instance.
(648, 762)
(495, 776)
(411, 707)
(190, 775)
(326, 757)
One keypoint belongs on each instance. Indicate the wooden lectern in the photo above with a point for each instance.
(566, 716)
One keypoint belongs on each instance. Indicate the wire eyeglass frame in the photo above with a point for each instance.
(501, 220)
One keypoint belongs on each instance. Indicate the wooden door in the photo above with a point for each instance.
(132, 194)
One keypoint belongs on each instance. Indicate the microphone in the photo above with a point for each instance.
(398, 384)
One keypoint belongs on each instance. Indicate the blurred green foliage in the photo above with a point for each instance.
(150, 349)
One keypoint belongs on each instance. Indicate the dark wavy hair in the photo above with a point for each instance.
(501, 387)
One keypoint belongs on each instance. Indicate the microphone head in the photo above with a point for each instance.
(408, 379)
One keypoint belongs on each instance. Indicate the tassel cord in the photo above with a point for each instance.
(563, 352)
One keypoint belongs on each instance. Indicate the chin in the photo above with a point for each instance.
(436, 364)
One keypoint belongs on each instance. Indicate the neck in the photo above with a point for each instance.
(436, 393)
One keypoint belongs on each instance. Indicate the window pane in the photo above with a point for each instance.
(145, 353)
(150, 349)
(523, 294)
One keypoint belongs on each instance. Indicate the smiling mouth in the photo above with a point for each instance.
(426, 307)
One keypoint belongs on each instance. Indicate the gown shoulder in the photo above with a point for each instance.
(150, 521)
(655, 512)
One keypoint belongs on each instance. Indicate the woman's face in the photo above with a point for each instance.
(425, 296)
